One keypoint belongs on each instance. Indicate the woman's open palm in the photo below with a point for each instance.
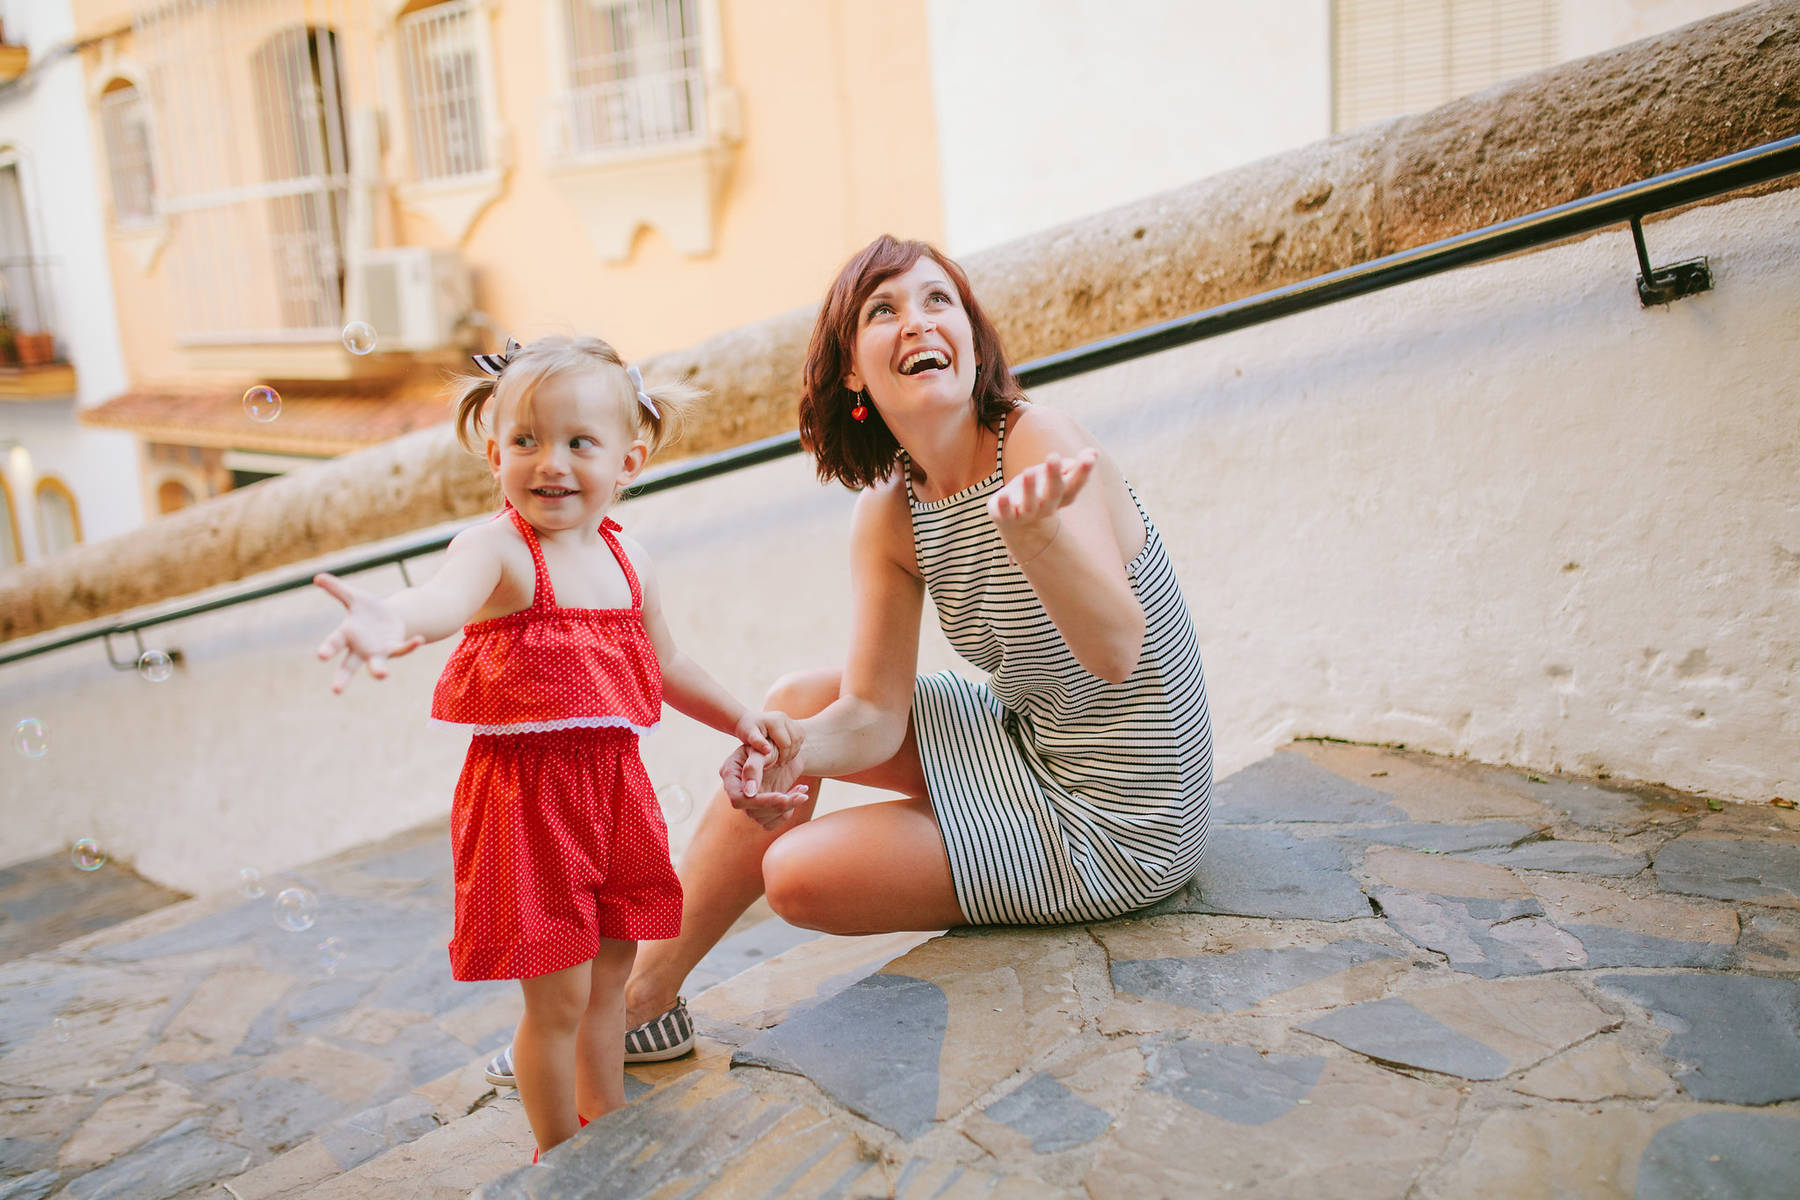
(1038, 493)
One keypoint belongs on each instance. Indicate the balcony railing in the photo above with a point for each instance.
(32, 363)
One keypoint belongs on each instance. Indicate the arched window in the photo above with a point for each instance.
(442, 67)
(59, 518)
(172, 495)
(11, 551)
(125, 121)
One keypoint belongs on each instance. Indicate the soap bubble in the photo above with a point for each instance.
(331, 953)
(62, 1029)
(87, 855)
(155, 666)
(250, 881)
(296, 909)
(30, 738)
(359, 337)
(677, 804)
(262, 403)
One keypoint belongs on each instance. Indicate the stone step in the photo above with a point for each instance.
(495, 1137)
(358, 1137)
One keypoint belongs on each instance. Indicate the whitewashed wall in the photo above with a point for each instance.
(1505, 512)
(1051, 109)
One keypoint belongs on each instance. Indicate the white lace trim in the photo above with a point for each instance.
(550, 726)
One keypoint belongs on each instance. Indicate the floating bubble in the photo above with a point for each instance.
(331, 953)
(359, 337)
(62, 1029)
(30, 738)
(677, 804)
(262, 403)
(155, 666)
(250, 881)
(87, 855)
(296, 909)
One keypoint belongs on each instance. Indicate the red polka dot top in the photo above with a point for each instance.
(546, 667)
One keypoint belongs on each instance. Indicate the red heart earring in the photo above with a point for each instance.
(860, 412)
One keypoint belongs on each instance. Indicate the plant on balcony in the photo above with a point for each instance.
(9, 342)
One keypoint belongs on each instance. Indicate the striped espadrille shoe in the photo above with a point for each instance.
(668, 1036)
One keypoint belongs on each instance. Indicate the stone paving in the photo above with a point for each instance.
(1396, 975)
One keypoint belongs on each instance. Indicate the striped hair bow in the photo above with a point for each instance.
(493, 364)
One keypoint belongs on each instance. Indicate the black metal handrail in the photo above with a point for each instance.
(1703, 181)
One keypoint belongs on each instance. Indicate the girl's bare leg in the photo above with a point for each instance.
(887, 860)
(600, 1042)
(544, 1051)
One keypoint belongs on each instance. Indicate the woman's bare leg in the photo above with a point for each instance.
(722, 872)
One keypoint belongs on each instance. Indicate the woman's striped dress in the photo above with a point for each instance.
(1062, 797)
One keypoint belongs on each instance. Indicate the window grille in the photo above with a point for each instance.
(250, 99)
(1400, 56)
(25, 295)
(634, 75)
(442, 72)
(125, 123)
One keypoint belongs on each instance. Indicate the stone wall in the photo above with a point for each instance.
(1696, 93)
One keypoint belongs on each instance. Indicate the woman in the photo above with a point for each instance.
(1073, 784)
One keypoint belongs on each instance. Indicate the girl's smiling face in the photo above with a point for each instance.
(914, 345)
(563, 452)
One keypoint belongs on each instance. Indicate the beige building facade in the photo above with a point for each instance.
(452, 173)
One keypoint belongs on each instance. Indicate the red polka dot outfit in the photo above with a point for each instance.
(555, 832)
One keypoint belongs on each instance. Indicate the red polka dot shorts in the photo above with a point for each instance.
(558, 842)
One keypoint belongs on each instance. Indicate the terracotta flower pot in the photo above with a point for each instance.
(35, 349)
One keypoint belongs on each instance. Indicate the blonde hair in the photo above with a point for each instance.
(532, 364)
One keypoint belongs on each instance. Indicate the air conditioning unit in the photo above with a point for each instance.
(414, 296)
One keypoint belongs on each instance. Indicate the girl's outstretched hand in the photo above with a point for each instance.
(371, 632)
(762, 786)
(1026, 507)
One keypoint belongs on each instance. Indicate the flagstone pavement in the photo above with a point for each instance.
(1396, 976)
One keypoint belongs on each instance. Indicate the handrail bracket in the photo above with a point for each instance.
(1662, 285)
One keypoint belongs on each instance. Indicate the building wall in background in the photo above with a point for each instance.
(44, 131)
(819, 156)
(1048, 111)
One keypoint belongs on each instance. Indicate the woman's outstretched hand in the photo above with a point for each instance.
(371, 632)
(763, 786)
(1026, 509)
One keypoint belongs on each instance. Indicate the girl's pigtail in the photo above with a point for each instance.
(473, 394)
(676, 402)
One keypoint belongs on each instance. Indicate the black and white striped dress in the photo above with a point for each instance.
(1062, 797)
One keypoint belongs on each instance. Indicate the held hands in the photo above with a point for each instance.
(371, 632)
(760, 775)
(1026, 509)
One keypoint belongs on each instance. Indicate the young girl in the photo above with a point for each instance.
(561, 854)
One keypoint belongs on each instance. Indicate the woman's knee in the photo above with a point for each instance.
(795, 887)
(803, 693)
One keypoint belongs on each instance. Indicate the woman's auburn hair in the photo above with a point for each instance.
(859, 454)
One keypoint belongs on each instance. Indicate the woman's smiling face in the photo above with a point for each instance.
(914, 346)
